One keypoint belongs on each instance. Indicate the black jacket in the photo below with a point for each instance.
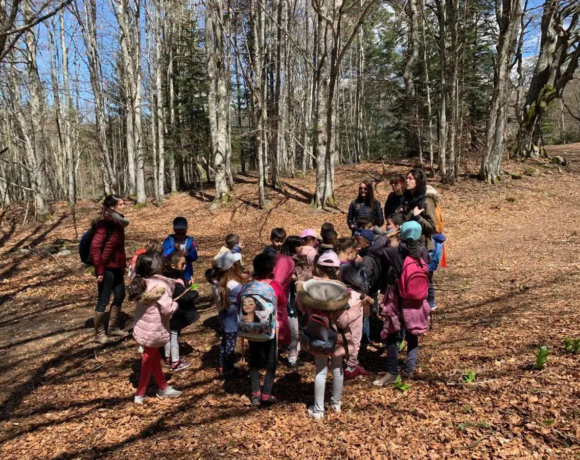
(393, 258)
(393, 203)
(186, 312)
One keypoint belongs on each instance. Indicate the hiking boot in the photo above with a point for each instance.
(139, 400)
(179, 366)
(168, 393)
(256, 399)
(100, 335)
(315, 415)
(269, 401)
(386, 379)
(355, 373)
(296, 364)
(407, 375)
(113, 328)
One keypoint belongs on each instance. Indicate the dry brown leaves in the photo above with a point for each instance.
(511, 286)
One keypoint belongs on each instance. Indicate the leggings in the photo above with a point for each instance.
(228, 350)
(294, 348)
(393, 341)
(151, 362)
(113, 281)
(256, 350)
(320, 381)
(172, 347)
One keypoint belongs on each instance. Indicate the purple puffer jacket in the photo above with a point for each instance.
(153, 312)
(415, 315)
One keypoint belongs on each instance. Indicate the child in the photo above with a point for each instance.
(151, 324)
(229, 285)
(348, 274)
(277, 238)
(328, 299)
(186, 313)
(402, 312)
(259, 296)
(233, 245)
(309, 241)
(179, 241)
(151, 246)
(292, 250)
(329, 237)
(436, 255)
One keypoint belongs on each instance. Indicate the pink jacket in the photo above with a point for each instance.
(153, 312)
(310, 253)
(412, 316)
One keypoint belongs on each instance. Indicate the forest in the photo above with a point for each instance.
(149, 97)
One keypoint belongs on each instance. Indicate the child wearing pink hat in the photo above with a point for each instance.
(309, 241)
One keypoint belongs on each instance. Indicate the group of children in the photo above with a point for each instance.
(318, 295)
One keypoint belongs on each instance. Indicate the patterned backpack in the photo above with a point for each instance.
(257, 310)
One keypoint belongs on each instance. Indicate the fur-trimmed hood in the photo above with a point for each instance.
(432, 192)
(323, 295)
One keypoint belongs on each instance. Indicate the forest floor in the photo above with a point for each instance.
(511, 286)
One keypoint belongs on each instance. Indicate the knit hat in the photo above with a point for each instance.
(411, 231)
(180, 223)
(308, 233)
(328, 259)
(227, 261)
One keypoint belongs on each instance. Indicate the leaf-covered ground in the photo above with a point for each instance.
(511, 286)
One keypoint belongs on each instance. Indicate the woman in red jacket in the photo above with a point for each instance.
(108, 254)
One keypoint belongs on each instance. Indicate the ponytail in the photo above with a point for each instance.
(414, 250)
(136, 288)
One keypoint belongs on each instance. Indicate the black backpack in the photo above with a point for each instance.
(85, 244)
(319, 335)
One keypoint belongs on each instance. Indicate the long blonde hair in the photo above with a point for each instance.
(235, 274)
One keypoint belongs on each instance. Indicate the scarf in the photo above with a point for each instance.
(115, 217)
(410, 202)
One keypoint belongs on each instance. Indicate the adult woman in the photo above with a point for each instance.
(108, 254)
(418, 205)
(365, 206)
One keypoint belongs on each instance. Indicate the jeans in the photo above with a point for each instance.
(366, 329)
(294, 347)
(267, 348)
(392, 343)
(228, 351)
(172, 347)
(151, 362)
(113, 281)
(320, 381)
(431, 292)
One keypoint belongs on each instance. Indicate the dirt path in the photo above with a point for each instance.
(511, 286)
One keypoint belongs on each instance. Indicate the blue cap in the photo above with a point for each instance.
(367, 235)
(411, 231)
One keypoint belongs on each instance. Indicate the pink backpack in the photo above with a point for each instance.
(413, 283)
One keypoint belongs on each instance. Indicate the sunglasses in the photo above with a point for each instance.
(362, 188)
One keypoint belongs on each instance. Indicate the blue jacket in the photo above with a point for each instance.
(359, 209)
(436, 253)
(190, 256)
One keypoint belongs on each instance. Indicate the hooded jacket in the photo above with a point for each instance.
(426, 219)
(153, 312)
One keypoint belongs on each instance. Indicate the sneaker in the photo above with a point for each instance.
(139, 399)
(179, 366)
(433, 306)
(315, 415)
(141, 350)
(268, 401)
(355, 373)
(256, 399)
(386, 379)
(167, 362)
(168, 393)
(407, 375)
(220, 371)
(335, 408)
(296, 364)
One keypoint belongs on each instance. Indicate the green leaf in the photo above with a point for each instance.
(542, 357)
(468, 376)
(549, 422)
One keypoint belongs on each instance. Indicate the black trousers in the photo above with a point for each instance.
(113, 282)
(257, 349)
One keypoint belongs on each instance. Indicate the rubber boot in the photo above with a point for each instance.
(100, 335)
(113, 327)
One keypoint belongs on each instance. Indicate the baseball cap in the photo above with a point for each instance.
(328, 259)
(180, 223)
(411, 231)
(227, 261)
(367, 235)
(308, 232)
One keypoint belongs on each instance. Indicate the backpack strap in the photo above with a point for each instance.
(342, 334)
